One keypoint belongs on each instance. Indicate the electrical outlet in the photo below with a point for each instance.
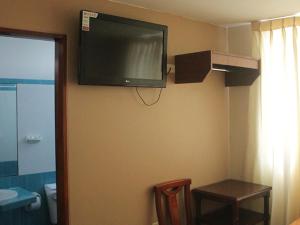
(172, 67)
(155, 223)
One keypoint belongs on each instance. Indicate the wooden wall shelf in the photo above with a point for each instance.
(193, 67)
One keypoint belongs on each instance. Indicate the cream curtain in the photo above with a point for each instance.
(273, 152)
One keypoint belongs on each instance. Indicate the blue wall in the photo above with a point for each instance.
(8, 127)
(27, 61)
(34, 183)
(8, 168)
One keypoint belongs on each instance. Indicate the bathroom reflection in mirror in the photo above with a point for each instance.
(27, 132)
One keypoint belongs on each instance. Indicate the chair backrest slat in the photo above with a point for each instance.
(170, 190)
(173, 209)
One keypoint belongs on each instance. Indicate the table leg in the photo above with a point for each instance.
(198, 205)
(266, 209)
(235, 214)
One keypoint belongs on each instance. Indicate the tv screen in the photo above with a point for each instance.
(121, 51)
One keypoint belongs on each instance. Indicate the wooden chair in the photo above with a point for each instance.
(169, 190)
(296, 222)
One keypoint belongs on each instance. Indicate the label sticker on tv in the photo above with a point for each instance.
(86, 19)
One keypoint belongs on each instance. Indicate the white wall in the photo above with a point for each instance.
(36, 117)
(8, 126)
(25, 58)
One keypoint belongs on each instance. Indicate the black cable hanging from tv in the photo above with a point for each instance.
(158, 98)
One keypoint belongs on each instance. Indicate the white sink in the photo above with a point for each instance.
(6, 194)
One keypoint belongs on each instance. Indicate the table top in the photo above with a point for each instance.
(232, 190)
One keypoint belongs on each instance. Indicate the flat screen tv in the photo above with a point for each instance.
(120, 51)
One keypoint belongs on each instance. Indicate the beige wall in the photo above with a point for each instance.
(240, 39)
(239, 42)
(119, 148)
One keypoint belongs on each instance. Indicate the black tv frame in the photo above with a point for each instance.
(127, 82)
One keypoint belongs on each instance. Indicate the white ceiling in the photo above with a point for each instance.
(221, 12)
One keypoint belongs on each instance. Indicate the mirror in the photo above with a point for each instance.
(8, 130)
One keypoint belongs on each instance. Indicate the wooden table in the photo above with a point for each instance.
(232, 193)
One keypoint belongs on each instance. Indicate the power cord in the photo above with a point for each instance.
(157, 100)
(145, 103)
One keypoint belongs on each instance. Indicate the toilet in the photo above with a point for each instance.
(50, 190)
